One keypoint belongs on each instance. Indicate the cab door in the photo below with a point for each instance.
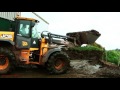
(23, 37)
(35, 37)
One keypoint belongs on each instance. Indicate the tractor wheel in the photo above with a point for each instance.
(6, 57)
(58, 63)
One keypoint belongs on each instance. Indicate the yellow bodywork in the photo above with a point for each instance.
(32, 49)
(43, 47)
(24, 18)
(7, 35)
(24, 56)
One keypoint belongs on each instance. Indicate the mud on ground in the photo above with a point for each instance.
(79, 69)
(100, 69)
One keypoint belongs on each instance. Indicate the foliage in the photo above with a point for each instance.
(112, 56)
(96, 45)
(86, 52)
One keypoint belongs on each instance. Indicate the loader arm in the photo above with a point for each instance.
(73, 38)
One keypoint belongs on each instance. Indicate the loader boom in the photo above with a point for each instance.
(75, 38)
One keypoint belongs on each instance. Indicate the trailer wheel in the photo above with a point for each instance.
(6, 57)
(58, 63)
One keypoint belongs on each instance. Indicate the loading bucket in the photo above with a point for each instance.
(84, 37)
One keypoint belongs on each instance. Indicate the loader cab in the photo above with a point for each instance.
(26, 34)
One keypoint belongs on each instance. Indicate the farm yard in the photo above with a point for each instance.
(79, 69)
(84, 66)
(29, 52)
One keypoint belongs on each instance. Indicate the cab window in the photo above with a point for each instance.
(35, 33)
(24, 28)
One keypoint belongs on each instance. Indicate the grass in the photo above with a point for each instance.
(86, 52)
(86, 48)
(113, 56)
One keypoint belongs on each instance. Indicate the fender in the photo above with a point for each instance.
(47, 55)
(9, 41)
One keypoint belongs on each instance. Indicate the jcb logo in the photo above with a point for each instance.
(24, 43)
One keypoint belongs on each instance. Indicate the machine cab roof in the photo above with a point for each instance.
(29, 19)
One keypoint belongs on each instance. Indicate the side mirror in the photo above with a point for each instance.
(32, 24)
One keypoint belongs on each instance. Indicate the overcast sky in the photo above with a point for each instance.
(107, 23)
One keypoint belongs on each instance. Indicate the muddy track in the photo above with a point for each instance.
(79, 69)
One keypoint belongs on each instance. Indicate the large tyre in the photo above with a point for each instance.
(58, 63)
(6, 60)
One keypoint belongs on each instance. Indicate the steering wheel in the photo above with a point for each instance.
(45, 35)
